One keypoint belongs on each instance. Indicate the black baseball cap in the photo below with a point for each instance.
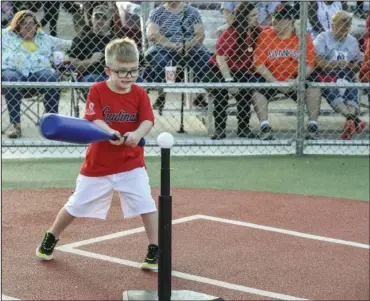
(284, 11)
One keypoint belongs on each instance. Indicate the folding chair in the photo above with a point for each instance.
(68, 73)
(30, 98)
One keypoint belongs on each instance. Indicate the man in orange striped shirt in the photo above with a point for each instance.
(276, 60)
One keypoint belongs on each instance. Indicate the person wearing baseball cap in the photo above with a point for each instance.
(276, 60)
(283, 19)
(88, 8)
(87, 51)
(102, 10)
(284, 11)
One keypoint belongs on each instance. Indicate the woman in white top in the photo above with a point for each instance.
(321, 13)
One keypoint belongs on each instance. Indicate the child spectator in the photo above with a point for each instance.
(339, 60)
(321, 13)
(276, 59)
(176, 34)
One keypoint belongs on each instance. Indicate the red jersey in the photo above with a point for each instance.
(123, 113)
(227, 46)
(365, 70)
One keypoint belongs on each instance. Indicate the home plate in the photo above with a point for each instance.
(175, 295)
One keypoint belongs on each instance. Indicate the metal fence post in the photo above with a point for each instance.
(301, 78)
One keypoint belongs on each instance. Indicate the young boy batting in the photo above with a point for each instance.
(121, 108)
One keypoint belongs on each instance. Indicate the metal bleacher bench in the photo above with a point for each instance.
(205, 115)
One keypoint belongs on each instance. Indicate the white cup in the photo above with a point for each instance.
(58, 57)
(170, 74)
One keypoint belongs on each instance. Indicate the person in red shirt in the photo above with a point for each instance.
(365, 69)
(363, 41)
(276, 60)
(232, 62)
(367, 34)
(121, 108)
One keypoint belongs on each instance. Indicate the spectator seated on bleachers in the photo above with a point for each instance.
(233, 63)
(365, 69)
(88, 9)
(51, 14)
(176, 33)
(276, 59)
(228, 11)
(321, 13)
(338, 59)
(26, 53)
(87, 51)
(265, 9)
(367, 34)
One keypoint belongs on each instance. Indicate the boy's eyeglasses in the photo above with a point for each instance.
(125, 73)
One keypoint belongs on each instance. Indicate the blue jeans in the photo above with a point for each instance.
(158, 59)
(350, 95)
(13, 96)
(91, 78)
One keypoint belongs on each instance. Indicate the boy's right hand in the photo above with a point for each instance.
(119, 141)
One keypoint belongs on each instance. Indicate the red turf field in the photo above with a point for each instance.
(234, 245)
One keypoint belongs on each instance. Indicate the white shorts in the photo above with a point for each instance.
(93, 195)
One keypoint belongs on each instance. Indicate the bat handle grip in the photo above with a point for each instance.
(115, 137)
(142, 141)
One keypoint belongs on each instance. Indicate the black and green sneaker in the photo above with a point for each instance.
(45, 250)
(151, 259)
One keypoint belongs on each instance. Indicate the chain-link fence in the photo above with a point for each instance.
(229, 78)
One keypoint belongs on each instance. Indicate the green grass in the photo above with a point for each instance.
(335, 176)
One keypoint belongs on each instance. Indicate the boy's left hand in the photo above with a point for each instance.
(132, 139)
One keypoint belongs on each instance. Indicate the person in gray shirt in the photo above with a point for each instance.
(176, 33)
(338, 59)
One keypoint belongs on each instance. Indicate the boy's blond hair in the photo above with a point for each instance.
(342, 17)
(121, 51)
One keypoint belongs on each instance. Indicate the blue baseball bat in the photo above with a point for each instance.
(74, 130)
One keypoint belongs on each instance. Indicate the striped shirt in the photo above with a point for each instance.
(170, 23)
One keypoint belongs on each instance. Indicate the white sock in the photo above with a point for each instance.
(264, 123)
